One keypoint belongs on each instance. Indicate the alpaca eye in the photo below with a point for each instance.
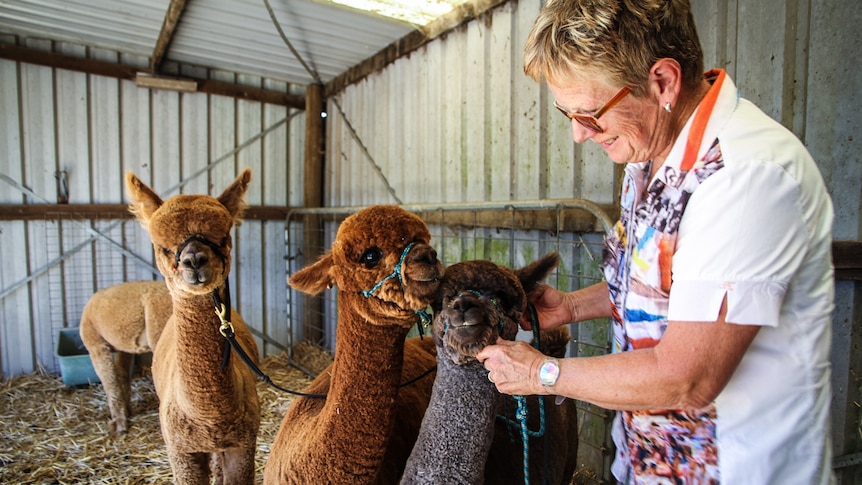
(371, 257)
(167, 252)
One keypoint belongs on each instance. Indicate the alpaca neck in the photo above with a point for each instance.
(199, 353)
(366, 373)
(460, 419)
(451, 384)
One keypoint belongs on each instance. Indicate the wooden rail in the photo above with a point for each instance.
(846, 255)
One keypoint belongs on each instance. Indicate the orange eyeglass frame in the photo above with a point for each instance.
(591, 122)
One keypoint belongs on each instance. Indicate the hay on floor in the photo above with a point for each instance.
(51, 433)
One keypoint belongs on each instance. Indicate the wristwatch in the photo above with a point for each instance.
(549, 372)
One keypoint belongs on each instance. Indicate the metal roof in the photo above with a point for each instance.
(232, 35)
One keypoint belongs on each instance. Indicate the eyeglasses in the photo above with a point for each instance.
(591, 122)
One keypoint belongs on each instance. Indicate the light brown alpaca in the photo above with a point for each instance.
(209, 415)
(126, 318)
(363, 431)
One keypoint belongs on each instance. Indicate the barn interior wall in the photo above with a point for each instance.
(90, 130)
(458, 121)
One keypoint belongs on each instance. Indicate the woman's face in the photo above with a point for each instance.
(635, 129)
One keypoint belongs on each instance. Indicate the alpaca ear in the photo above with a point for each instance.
(315, 278)
(144, 201)
(232, 197)
(533, 273)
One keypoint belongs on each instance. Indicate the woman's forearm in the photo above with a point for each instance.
(589, 303)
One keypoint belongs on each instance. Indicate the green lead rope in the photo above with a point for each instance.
(522, 412)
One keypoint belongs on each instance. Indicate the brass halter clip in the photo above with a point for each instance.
(226, 328)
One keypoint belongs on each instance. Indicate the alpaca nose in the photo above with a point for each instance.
(468, 310)
(465, 303)
(193, 256)
(423, 254)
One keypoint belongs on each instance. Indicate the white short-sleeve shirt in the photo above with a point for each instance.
(757, 231)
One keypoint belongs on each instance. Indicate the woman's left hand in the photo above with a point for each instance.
(513, 366)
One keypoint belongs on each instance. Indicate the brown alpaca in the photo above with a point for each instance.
(126, 318)
(463, 438)
(209, 415)
(363, 431)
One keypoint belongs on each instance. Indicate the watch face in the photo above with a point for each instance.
(549, 372)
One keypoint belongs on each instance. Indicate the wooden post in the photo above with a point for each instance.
(313, 197)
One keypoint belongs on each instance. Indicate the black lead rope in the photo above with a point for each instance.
(226, 329)
(420, 376)
(222, 310)
(225, 360)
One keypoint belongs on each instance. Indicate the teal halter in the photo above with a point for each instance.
(424, 317)
(396, 273)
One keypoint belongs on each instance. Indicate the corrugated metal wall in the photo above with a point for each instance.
(459, 121)
(95, 129)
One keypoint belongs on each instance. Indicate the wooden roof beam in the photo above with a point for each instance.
(172, 19)
(123, 71)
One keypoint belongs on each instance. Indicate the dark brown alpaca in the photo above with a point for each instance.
(463, 438)
(209, 415)
(363, 431)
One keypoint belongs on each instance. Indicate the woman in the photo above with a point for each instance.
(718, 273)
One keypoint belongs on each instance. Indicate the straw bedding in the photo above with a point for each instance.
(54, 434)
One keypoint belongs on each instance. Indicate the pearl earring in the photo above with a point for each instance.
(667, 106)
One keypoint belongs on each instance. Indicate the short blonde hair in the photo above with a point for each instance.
(616, 41)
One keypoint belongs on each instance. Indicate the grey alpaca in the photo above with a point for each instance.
(461, 441)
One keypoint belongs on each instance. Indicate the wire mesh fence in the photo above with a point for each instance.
(510, 234)
(79, 256)
(71, 257)
(67, 257)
